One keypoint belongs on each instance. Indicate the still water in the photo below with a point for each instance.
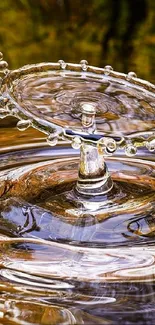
(58, 266)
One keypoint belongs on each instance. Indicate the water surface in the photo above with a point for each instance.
(60, 264)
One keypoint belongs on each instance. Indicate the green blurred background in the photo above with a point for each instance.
(116, 32)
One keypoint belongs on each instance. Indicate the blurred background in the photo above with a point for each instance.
(116, 32)
(120, 33)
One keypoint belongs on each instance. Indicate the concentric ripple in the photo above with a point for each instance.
(64, 269)
(42, 195)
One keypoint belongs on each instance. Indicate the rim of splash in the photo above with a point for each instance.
(9, 106)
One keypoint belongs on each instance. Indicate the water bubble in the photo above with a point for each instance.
(130, 150)
(23, 125)
(88, 114)
(63, 64)
(52, 139)
(107, 69)
(84, 65)
(150, 144)
(131, 75)
(1, 56)
(76, 143)
(3, 64)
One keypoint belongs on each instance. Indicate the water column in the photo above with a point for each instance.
(93, 176)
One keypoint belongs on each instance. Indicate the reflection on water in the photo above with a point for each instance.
(58, 285)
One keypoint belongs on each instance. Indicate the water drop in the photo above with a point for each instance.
(88, 115)
(52, 139)
(63, 64)
(3, 101)
(110, 145)
(107, 69)
(131, 75)
(76, 143)
(150, 144)
(1, 56)
(84, 65)
(3, 64)
(23, 125)
(130, 150)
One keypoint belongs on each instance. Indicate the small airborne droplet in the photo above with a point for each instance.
(131, 75)
(76, 143)
(88, 115)
(63, 64)
(23, 125)
(110, 145)
(52, 140)
(150, 144)
(3, 64)
(84, 65)
(130, 150)
(107, 69)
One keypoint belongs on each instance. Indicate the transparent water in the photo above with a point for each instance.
(59, 263)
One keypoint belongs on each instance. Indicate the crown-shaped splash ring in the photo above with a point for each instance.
(75, 105)
(100, 112)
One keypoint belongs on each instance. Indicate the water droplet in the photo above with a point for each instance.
(76, 143)
(3, 65)
(130, 150)
(3, 113)
(1, 56)
(88, 114)
(63, 64)
(107, 69)
(150, 144)
(131, 75)
(52, 139)
(84, 65)
(23, 125)
(3, 101)
(110, 145)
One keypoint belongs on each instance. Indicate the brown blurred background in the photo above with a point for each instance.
(116, 32)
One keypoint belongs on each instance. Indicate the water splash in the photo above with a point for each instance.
(65, 257)
(60, 102)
